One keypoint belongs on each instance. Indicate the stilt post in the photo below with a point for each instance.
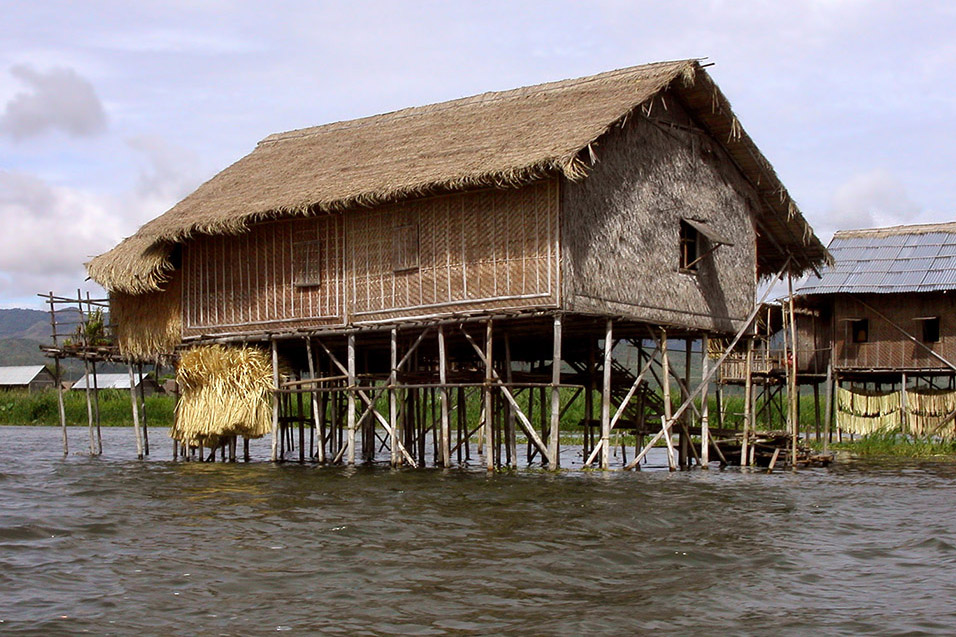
(394, 456)
(704, 407)
(350, 415)
(275, 401)
(554, 431)
(135, 404)
(489, 379)
(443, 397)
(748, 402)
(606, 395)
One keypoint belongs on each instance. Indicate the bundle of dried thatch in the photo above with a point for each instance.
(148, 325)
(225, 391)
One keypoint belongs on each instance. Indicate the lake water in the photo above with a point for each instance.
(112, 545)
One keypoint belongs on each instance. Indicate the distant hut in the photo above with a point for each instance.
(499, 244)
(145, 385)
(882, 319)
(29, 377)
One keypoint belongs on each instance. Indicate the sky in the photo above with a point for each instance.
(111, 112)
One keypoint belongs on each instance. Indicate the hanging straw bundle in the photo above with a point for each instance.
(863, 412)
(225, 391)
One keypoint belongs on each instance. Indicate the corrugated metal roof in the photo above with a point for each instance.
(887, 260)
(108, 381)
(19, 376)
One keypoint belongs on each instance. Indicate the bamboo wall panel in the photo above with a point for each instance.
(248, 281)
(480, 250)
(886, 347)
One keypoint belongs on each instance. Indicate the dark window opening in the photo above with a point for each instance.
(931, 329)
(689, 247)
(860, 330)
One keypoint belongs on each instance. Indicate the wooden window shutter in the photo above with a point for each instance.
(405, 243)
(307, 266)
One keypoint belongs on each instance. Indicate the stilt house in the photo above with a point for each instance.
(882, 321)
(501, 243)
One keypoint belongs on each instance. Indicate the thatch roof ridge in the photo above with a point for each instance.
(892, 231)
(668, 68)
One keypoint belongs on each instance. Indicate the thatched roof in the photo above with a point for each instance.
(507, 138)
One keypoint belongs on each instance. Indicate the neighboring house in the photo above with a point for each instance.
(884, 317)
(29, 377)
(887, 304)
(633, 197)
(116, 381)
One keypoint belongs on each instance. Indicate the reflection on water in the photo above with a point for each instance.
(115, 545)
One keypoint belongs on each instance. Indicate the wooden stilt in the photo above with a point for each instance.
(489, 379)
(511, 442)
(317, 409)
(443, 397)
(394, 456)
(554, 429)
(668, 408)
(704, 406)
(142, 405)
(828, 407)
(794, 394)
(350, 396)
(59, 401)
(748, 402)
(96, 410)
(606, 396)
(275, 402)
(135, 404)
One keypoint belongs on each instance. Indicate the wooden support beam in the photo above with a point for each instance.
(489, 378)
(748, 402)
(733, 343)
(606, 395)
(314, 399)
(511, 442)
(275, 402)
(668, 406)
(828, 408)
(350, 396)
(135, 404)
(554, 430)
(393, 398)
(620, 409)
(522, 418)
(793, 392)
(704, 407)
(443, 398)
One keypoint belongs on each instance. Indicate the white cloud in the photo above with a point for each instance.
(58, 99)
(871, 199)
(49, 232)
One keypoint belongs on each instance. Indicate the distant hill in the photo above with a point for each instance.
(23, 331)
(25, 324)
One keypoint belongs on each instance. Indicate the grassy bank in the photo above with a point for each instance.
(895, 444)
(40, 408)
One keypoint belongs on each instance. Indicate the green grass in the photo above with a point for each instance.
(895, 444)
(40, 408)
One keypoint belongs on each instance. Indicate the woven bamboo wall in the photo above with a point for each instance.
(620, 227)
(887, 348)
(480, 250)
(234, 283)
